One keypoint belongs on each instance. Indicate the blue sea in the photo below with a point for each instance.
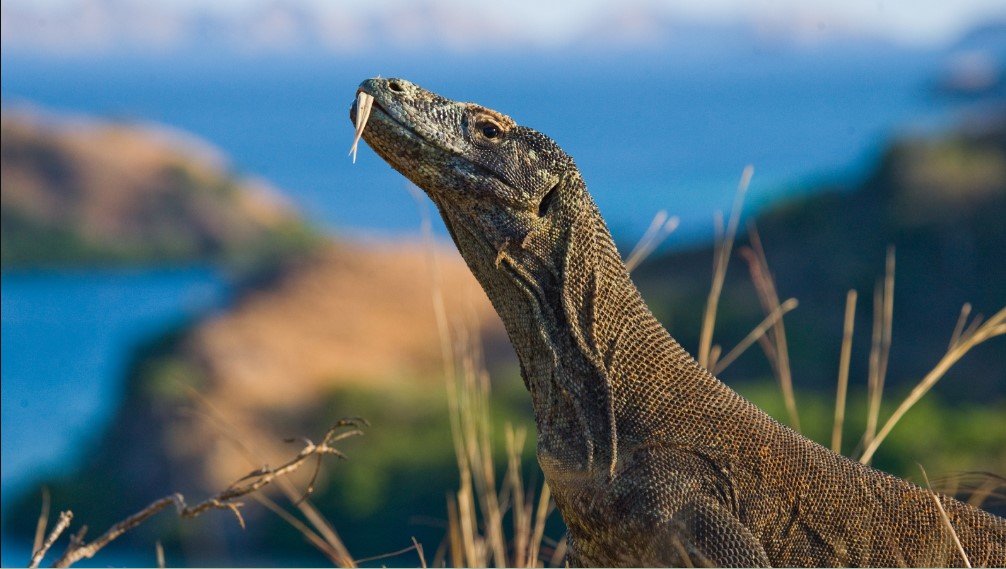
(649, 132)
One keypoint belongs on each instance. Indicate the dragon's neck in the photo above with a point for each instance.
(590, 350)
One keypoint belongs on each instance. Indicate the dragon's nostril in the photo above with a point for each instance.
(396, 86)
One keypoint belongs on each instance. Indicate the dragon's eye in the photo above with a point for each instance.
(489, 130)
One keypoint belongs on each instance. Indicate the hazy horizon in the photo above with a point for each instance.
(95, 27)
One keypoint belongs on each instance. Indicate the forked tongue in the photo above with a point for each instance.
(364, 102)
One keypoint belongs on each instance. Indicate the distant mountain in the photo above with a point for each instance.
(89, 27)
(975, 66)
(78, 192)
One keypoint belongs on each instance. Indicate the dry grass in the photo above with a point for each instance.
(772, 336)
(880, 349)
(477, 534)
(661, 226)
(721, 258)
(755, 335)
(773, 343)
(945, 520)
(974, 334)
(848, 328)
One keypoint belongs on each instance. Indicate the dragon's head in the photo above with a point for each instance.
(505, 186)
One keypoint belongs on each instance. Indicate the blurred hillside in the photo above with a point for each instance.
(939, 200)
(77, 193)
(351, 332)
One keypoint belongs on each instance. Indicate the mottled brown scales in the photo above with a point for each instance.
(651, 459)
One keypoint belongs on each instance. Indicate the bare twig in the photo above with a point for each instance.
(77, 539)
(721, 259)
(61, 524)
(159, 552)
(225, 500)
(330, 544)
(419, 551)
(389, 554)
(843, 371)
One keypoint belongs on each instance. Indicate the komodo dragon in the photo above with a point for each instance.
(651, 459)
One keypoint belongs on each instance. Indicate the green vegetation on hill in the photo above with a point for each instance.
(76, 193)
(939, 200)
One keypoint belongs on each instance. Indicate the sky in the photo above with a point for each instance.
(910, 22)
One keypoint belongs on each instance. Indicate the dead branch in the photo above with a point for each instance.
(323, 536)
(225, 500)
(57, 530)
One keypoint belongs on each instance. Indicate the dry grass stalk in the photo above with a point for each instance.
(754, 335)
(714, 356)
(43, 521)
(872, 402)
(159, 554)
(721, 258)
(520, 510)
(774, 341)
(659, 229)
(469, 542)
(986, 489)
(477, 536)
(309, 534)
(971, 337)
(559, 552)
(959, 327)
(483, 539)
(946, 520)
(843, 371)
(880, 348)
(225, 500)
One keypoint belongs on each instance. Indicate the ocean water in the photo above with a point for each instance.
(67, 338)
(655, 132)
(649, 132)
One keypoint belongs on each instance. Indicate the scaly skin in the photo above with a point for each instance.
(651, 459)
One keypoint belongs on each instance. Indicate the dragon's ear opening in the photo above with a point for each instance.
(547, 199)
